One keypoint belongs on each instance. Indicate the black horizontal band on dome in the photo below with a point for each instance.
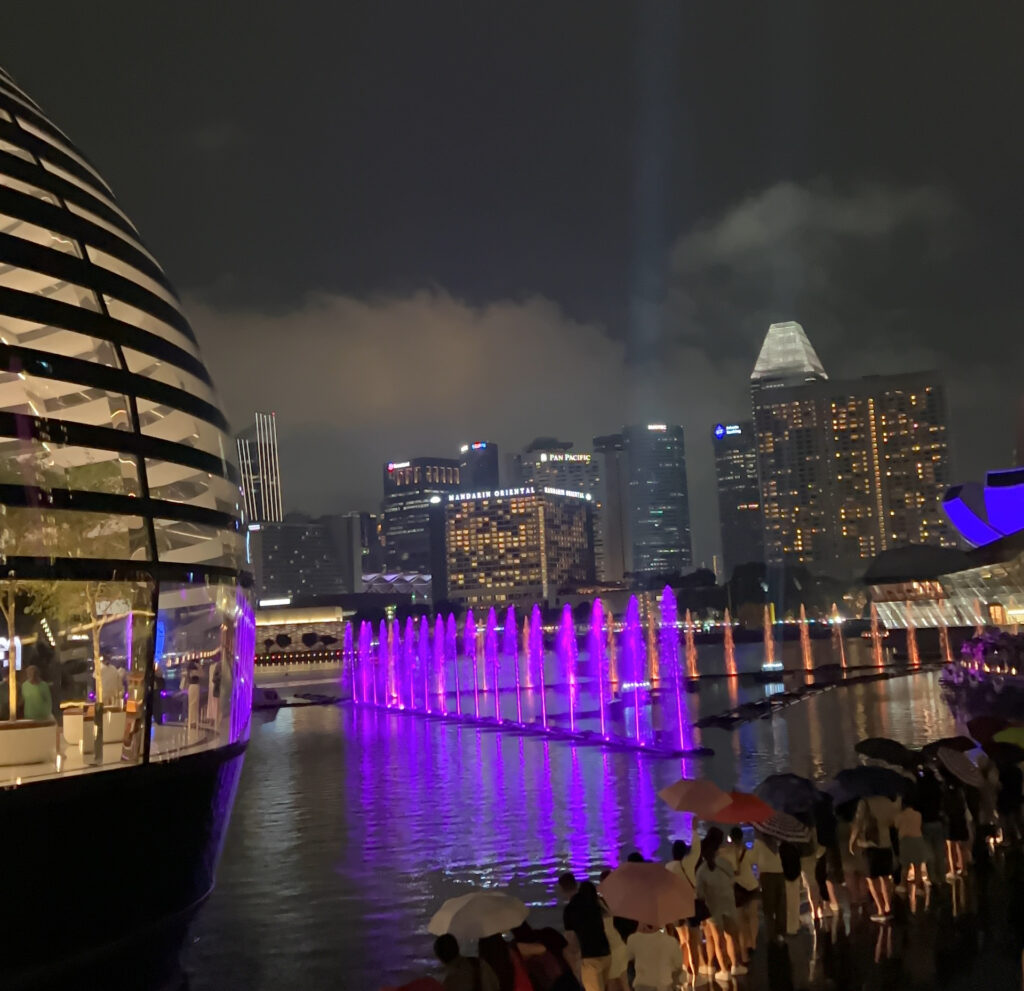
(25, 206)
(54, 313)
(38, 146)
(47, 365)
(20, 253)
(32, 172)
(19, 426)
(110, 569)
(114, 504)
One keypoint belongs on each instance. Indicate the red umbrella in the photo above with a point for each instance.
(744, 808)
(701, 797)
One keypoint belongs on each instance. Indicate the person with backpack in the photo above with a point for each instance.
(872, 824)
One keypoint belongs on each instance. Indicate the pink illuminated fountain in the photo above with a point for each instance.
(806, 654)
(598, 661)
(394, 662)
(469, 651)
(692, 670)
(613, 653)
(348, 656)
(633, 659)
(409, 660)
(568, 657)
(384, 659)
(439, 662)
(365, 656)
(729, 646)
(451, 656)
(876, 638)
(527, 673)
(491, 657)
(425, 657)
(670, 655)
(536, 658)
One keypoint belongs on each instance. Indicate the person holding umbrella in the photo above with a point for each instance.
(871, 833)
(715, 886)
(585, 917)
(655, 954)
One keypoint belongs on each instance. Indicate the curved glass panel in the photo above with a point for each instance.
(126, 628)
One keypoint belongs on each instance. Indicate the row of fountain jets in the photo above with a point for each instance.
(631, 676)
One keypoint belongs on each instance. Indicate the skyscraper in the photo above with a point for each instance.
(518, 545)
(658, 507)
(613, 554)
(261, 470)
(847, 468)
(478, 466)
(739, 497)
(412, 527)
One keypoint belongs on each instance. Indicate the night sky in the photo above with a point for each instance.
(405, 226)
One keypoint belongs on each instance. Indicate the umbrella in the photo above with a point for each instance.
(788, 793)
(702, 798)
(1004, 753)
(890, 751)
(960, 743)
(863, 782)
(960, 766)
(420, 984)
(784, 827)
(1012, 734)
(648, 893)
(743, 808)
(478, 914)
(984, 728)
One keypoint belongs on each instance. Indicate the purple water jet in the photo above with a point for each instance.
(348, 657)
(596, 649)
(438, 646)
(451, 654)
(511, 644)
(383, 658)
(633, 658)
(423, 647)
(568, 656)
(469, 649)
(409, 659)
(669, 634)
(537, 656)
(491, 657)
(365, 658)
(395, 663)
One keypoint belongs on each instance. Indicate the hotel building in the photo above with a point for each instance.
(518, 545)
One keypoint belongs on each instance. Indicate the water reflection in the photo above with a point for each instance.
(352, 823)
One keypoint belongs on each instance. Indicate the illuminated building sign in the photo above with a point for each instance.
(514, 493)
(657, 426)
(569, 493)
(727, 430)
(567, 458)
(393, 465)
(8, 647)
(478, 445)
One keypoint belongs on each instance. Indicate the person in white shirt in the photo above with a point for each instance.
(657, 959)
(715, 879)
(747, 892)
(684, 863)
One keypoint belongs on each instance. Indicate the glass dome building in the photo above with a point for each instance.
(126, 626)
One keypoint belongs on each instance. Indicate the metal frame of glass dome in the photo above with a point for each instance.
(115, 462)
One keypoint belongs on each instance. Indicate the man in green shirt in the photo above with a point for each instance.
(35, 696)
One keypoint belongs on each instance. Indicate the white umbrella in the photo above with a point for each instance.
(478, 914)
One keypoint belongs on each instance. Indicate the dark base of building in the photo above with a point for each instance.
(101, 873)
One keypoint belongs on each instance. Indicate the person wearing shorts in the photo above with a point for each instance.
(875, 817)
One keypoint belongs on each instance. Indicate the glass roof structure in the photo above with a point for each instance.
(787, 356)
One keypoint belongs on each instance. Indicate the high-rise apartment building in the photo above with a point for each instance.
(479, 466)
(739, 496)
(518, 545)
(847, 469)
(657, 501)
(261, 470)
(412, 524)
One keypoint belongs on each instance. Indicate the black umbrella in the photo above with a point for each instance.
(961, 743)
(890, 751)
(788, 793)
(863, 782)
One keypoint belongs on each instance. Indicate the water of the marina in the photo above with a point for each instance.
(352, 825)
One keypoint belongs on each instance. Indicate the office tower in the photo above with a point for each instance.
(739, 497)
(613, 552)
(412, 524)
(478, 466)
(518, 545)
(261, 470)
(658, 509)
(296, 558)
(847, 469)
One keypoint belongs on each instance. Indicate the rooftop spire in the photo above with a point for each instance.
(787, 354)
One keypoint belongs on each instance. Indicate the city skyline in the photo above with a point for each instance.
(739, 215)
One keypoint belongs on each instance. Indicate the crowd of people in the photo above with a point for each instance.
(865, 853)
